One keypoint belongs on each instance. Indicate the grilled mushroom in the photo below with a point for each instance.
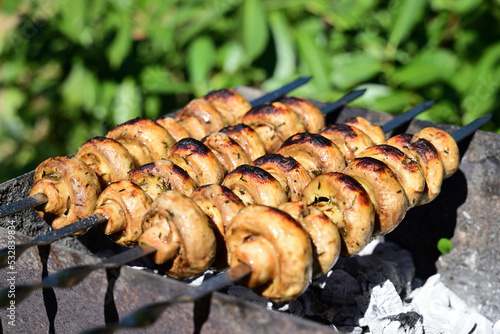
(277, 249)
(347, 204)
(386, 193)
(220, 205)
(198, 161)
(231, 105)
(350, 140)
(446, 146)
(109, 159)
(247, 138)
(162, 175)
(274, 123)
(200, 119)
(227, 151)
(324, 235)
(409, 173)
(144, 139)
(289, 173)
(314, 152)
(375, 132)
(312, 117)
(180, 231)
(426, 155)
(124, 204)
(173, 127)
(72, 189)
(254, 185)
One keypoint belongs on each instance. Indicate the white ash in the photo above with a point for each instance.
(377, 292)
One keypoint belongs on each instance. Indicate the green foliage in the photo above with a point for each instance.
(70, 71)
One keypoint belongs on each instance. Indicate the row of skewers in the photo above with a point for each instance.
(337, 187)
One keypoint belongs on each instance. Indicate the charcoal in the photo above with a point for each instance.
(442, 310)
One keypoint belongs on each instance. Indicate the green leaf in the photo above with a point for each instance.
(152, 106)
(10, 7)
(200, 62)
(232, 55)
(407, 15)
(427, 67)
(444, 245)
(11, 72)
(254, 29)
(72, 18)
(284, 45)
(350, 69)
(466, 6)
(156, 79)
(436, 29)
(484, 87)
(385, 99)
(79, 89)
(127, 102)
(313, 56)
(442, 112)
(11, 124)
(120, 47)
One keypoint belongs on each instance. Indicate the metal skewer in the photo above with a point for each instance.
(407, 116)
(349, 97)
(280, 91)
(22, 204)
(470, 128)
(146, 315)
(50, 237)
(69, 277)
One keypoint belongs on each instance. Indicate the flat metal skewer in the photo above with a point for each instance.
(22, 204)
(280, 91)
(148, 314)
(50, 237)
(407, 116)
(349, 97)
(69, 277)
(470, 128)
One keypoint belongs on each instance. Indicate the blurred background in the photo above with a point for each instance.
(72, 69)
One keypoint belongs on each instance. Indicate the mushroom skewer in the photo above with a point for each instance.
(148, 314)
(41, 198)
(82, 226)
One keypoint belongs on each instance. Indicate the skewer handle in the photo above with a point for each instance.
(22, 204)
(470, 128)
(349, 97)
(148, 314)
(280, 92)
(407, 116)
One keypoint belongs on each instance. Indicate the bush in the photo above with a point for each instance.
(72, 69)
